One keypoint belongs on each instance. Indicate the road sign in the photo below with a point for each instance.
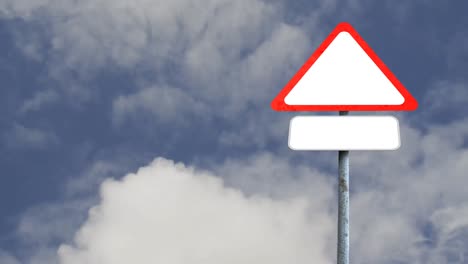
(344, 74)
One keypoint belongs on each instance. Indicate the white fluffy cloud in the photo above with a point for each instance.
(168, 213)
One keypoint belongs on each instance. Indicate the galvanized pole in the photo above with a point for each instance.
(343, 205)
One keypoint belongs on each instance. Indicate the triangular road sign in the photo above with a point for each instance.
(344, 74)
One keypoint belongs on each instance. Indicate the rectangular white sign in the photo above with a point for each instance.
(344, 133)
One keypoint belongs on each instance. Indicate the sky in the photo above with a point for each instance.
(141, 132)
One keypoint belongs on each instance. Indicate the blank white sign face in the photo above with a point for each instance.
(344, 133)
(344, 75)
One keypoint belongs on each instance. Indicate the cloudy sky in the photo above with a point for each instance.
(141, 132)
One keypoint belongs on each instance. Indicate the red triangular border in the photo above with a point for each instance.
(409, 104)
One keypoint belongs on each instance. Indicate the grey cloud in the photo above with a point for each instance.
(38, 100)
(6, 258)
(165, 104)
(219, 76)
(20, 136)
(233, 93)
(457, 52)
(452, 229)
(447, 98)
(54, 220)
(91, 33)
(251, 134)
(227, 54)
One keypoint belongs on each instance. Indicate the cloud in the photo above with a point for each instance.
(20, 136)
(220, 60)
(259, 130)
(445, 100)
(54, 219)
(165, 104)
(226, 55)
(275, 176)
(456, 53)
(128, 33)
(39, 99)
(452, 228)
(226, 68)
(6, 258)
(171, 213)
(57, 222)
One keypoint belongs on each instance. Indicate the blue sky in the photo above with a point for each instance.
(93, 91)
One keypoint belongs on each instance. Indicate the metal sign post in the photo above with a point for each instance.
(343, 205)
